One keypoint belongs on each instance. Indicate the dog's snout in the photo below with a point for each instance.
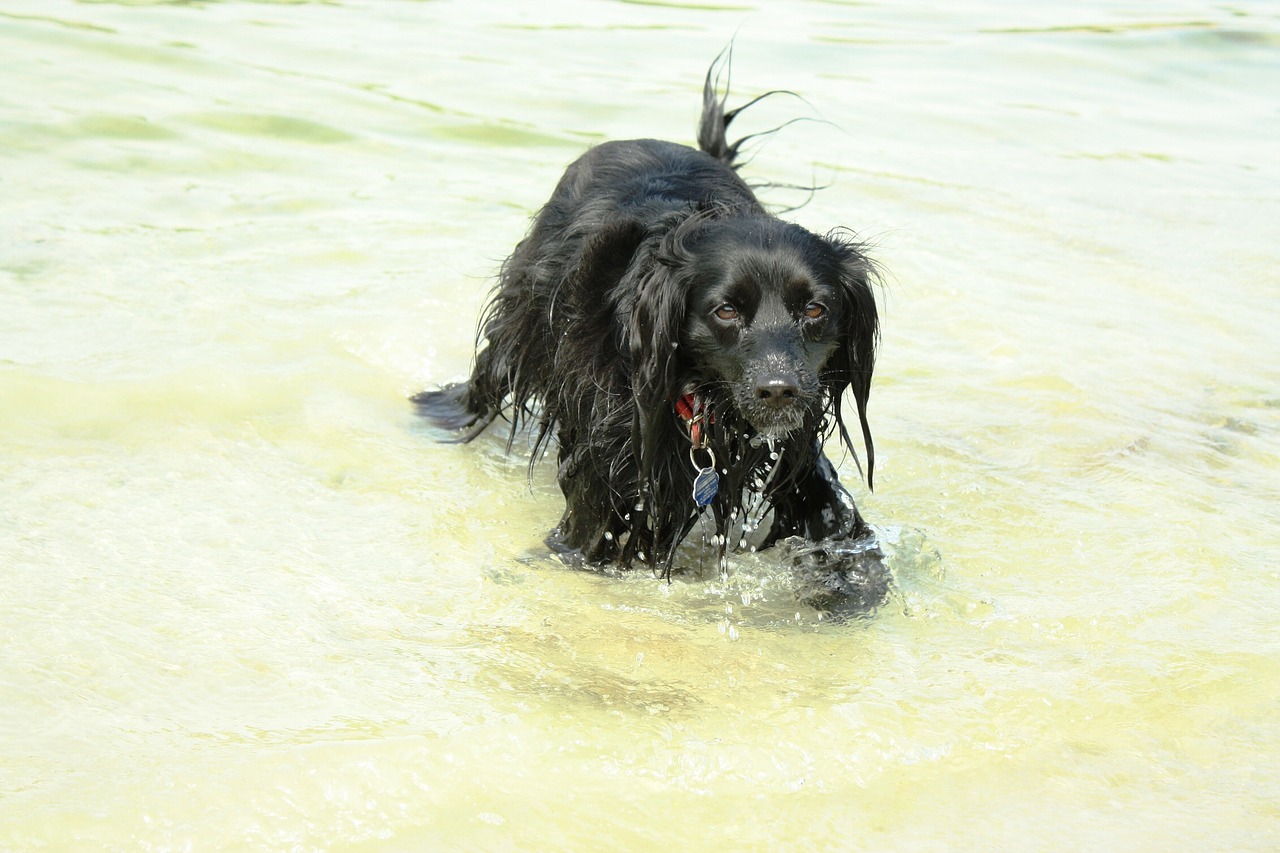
(777, 390)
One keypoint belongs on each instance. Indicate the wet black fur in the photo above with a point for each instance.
(604, 315)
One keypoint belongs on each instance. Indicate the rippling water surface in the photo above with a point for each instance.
(249, 604)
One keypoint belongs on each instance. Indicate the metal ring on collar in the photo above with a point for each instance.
(693, 458)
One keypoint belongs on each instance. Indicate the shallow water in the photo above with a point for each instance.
(249, 604)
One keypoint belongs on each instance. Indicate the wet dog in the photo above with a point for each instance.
(687, 352)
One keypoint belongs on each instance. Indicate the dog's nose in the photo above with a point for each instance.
(777, 390)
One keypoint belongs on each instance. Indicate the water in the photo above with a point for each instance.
(248, 604)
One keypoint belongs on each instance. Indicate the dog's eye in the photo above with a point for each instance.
(727, 312)
(814, 310)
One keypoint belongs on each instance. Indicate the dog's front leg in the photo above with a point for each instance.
(833, 553)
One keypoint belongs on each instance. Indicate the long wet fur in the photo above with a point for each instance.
(603, 317)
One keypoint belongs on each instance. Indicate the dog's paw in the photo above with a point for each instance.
(844, 577)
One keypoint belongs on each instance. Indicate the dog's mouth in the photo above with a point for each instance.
(774, 423)
(774, 418)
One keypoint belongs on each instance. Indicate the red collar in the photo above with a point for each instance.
(693, 410)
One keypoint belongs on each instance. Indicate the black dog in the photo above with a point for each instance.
(688, 351)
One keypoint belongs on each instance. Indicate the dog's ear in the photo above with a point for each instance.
(854, 362)
(660, 277)
(662, 270)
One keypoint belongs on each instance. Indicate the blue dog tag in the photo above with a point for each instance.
(706, 483)
(705, 486)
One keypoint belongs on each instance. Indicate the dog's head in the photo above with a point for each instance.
(778, 320)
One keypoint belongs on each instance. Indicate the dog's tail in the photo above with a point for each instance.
(714, 124)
